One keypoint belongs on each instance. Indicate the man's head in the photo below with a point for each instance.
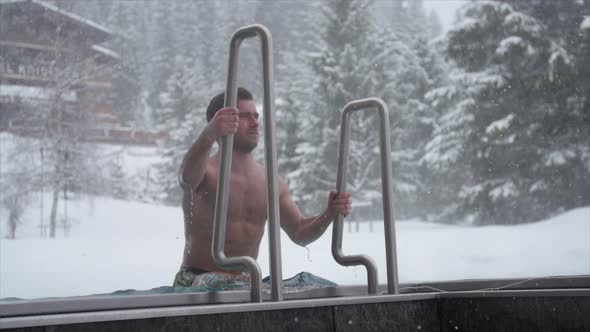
(217, 102)
(247, 135)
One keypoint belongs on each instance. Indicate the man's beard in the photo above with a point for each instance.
(245, 146)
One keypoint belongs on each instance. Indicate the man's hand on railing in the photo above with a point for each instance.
(224, 122)
(339, 203)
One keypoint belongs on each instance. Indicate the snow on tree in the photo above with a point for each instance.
(443, 153)
(515, 70)
(357, 61)
(293, 41)
(181, 117)
(344, 73)
(19, 176)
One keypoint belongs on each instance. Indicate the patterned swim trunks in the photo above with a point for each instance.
(188, 277)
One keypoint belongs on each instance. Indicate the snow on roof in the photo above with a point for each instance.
(33, 92)
(106, 51)
(70, 15)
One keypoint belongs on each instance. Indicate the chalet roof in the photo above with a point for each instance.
(106, 52)
(99, 32)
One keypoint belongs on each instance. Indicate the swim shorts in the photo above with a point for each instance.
(191, 277)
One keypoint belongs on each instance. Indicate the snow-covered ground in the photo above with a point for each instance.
(119, 245)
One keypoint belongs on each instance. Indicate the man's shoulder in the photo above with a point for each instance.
(260, 169)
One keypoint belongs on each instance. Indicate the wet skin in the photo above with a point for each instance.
(247, 204)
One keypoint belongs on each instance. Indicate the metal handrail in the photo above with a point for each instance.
(221, 201)
(386, 177)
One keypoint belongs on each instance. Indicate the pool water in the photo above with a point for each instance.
(303, 281)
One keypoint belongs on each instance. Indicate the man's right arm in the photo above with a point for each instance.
(194, 165)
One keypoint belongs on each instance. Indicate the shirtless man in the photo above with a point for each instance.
(247, 206)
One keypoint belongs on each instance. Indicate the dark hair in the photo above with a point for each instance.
(217, 102)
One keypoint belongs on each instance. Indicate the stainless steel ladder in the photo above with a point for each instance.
(221, 201)
(386, 178)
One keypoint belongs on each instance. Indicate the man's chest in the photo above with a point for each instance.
(246, 198)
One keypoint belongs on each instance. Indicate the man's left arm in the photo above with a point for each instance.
(305, 230)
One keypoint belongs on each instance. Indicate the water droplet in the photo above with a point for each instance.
(419, 327)
(350, 322)
(296, 320)
(456, 327)
(308, 254)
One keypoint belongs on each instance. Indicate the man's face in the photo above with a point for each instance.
(246, 138)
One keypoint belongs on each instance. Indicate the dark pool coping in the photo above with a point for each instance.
(43, 312)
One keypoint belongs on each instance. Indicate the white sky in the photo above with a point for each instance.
(445, 9)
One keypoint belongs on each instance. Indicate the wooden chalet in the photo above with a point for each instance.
(47, 53)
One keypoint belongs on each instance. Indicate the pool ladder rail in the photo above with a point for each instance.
(386, 177)
(221, 201)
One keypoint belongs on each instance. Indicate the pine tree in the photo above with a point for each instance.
(358, 61)
(565, 92)
(518, 116)
(119, 186)
(196, 76)
(181, 101)
(442, 160)
(344, 73)
(19, 179)
(419, 69)
(294, 100)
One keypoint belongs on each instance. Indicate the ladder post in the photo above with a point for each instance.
(221, 201)
(386, 178)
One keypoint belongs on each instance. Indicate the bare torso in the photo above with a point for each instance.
(246, 215)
